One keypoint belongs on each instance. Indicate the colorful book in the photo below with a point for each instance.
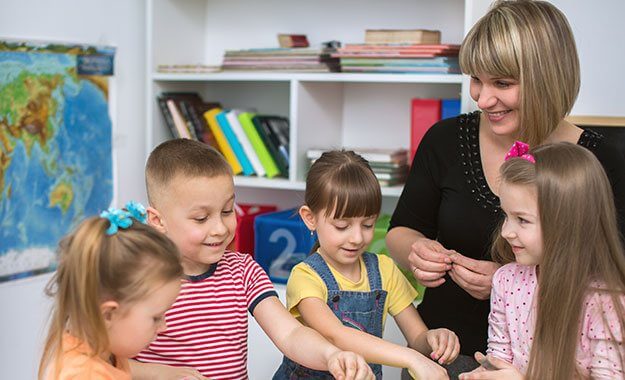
(235, 144)
(271, 170)
(424, 113)
(169, 121)
(211, 119)
(402, 36)
(179, 122)
(274, 131)
(450, 108)
(237, 128)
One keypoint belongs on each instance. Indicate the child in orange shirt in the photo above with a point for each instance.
(115, 280)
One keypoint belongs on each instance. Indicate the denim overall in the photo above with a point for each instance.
(359, 310)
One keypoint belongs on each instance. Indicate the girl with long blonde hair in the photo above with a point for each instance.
(558, 301)
(116, 278)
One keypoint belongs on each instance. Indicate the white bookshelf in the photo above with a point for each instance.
(326, 109)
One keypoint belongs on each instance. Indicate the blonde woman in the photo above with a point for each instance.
(524, 70)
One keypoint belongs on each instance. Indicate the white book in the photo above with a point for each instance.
(232, 118)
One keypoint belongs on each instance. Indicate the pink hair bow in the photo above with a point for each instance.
(521, 150)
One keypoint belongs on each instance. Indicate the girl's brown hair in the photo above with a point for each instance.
(532, 42)
(95, 267)
(342, 182)
(581, 244)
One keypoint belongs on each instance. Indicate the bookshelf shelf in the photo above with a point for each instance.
(285, 184)
(325, 110)
(309, 77)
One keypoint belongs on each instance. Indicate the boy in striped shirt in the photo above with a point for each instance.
(191, 195)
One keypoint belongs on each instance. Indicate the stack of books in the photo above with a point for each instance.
(281, 59)
(252, 144)
(390, 166)
(400, 51)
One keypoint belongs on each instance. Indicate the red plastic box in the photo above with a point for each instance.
(244, 236)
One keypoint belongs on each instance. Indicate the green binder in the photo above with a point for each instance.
(245, 118)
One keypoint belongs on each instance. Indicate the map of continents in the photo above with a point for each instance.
(55, 156)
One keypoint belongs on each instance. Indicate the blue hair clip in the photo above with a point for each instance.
(137, 210)
(118, 219)
(123, 218)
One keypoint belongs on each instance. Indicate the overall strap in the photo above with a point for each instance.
(373, 271)
(319, 265)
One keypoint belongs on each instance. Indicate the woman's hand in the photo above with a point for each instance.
(498, 369)
(474, 276)
(444, 344)
(429, 261)
(346, 365)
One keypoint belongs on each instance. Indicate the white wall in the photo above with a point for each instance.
(120, 23)
(598, 31)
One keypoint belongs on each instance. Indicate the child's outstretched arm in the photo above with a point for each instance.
(306, 346)
(441, 345)
(153, 371)
(318, 315)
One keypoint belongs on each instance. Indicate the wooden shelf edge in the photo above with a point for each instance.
(597, 121)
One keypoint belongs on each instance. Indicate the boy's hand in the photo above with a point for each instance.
(444, 344)
(346, 365)
(492, 368)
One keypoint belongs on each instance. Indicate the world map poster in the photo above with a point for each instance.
(55, 148)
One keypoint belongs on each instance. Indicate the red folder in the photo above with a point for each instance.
(425, 112)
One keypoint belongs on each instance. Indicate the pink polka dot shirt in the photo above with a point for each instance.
(512, 317)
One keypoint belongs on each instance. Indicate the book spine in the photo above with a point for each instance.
(234, 143)
(224, 147)
(181, 125)
(169, 121)
(450, 108)
(265, 134)
(280, 137)
(193, 124)
(245, 118)
(245, 143)
(425, 112)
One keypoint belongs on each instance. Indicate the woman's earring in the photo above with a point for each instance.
(312, 232)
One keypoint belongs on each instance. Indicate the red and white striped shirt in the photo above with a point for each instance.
(207, 325)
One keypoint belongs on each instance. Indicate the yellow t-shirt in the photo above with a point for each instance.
(304, 282)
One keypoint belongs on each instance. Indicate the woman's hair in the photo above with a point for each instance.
(95, 267)
(532, 42)
(581, 244)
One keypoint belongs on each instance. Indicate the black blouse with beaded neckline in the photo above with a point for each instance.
(447, 198)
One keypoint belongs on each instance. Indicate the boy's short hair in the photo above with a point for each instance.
(181, 157)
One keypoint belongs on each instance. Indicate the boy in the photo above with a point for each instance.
(191, 195)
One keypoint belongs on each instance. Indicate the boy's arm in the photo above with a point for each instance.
(306, 346)
(318, 316)
(153, 371)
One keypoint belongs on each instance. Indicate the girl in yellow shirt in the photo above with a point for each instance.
(344, 292)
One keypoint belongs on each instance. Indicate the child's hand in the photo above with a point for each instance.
(444, 344)
(425, 369)
(166, 372)
(492, 368)
(345, 365)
